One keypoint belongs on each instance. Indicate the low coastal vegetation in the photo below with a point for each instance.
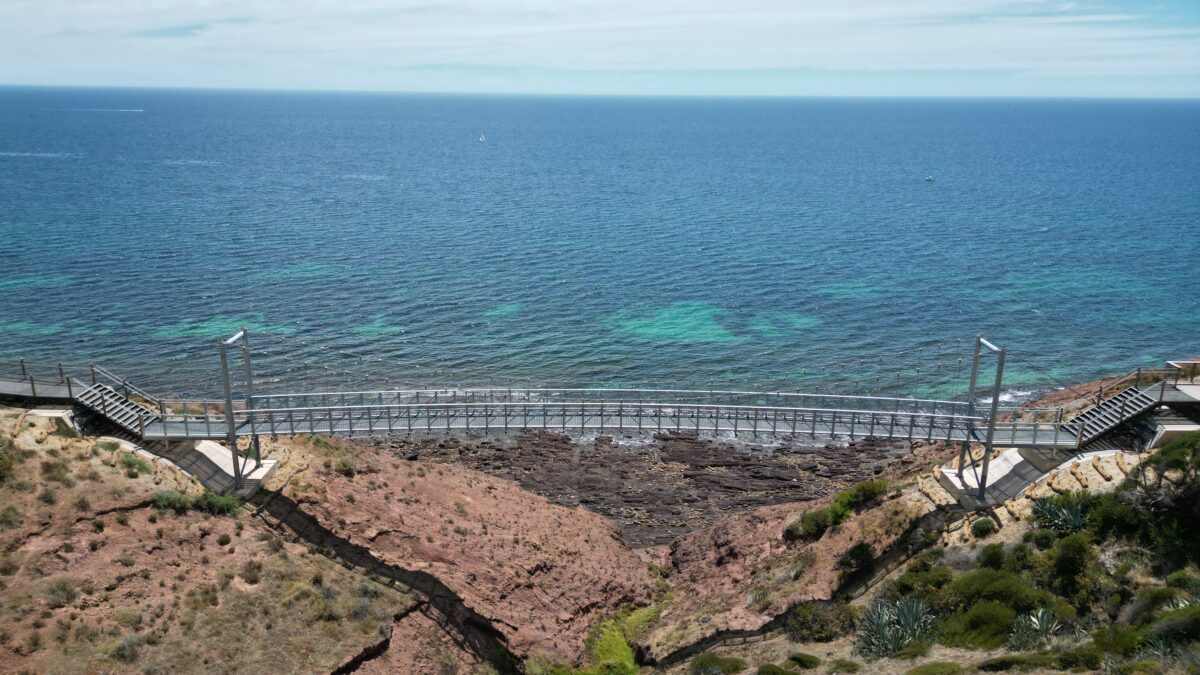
(1118, 567)
(814, 523)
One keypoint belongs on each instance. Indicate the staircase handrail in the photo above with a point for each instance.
(117, 382)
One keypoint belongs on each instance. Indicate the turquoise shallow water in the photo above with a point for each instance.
(595, 240)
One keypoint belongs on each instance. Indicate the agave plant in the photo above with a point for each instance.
(1178, 602)
(1066, 518)
(1034, 629)
(892, 626)
(1158, 648)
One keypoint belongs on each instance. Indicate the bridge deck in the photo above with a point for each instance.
(601, 410)
(610, 417)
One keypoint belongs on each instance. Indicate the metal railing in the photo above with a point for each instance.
(601, 409)
(601, 395)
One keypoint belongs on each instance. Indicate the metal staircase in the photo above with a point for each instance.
(114, 407)
(1110, 414)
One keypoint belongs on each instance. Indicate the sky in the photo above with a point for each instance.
(1102, 48)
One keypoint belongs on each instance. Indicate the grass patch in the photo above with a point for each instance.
(609, 652)
(59, 592)
(345, 466)
(58, 471)
(64, 430)
(10, 517)
(134, 466)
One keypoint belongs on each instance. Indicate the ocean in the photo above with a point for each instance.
(443, 239)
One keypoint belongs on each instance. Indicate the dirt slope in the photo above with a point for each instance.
(540, 573)
(95, 579)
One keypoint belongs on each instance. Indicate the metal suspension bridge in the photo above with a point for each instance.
(833, 408)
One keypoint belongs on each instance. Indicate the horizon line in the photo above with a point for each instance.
(534, 94)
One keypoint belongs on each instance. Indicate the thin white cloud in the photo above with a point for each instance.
(339, 44)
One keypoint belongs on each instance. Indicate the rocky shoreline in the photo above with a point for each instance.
(657, 488)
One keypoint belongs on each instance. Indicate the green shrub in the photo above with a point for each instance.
(1044, 539)
(842, 666)
(10, 517)
(811, 525)
(1184, 581)
(1019, 662)
(922, 583)
(170, 500)
(252, 572)
(992, 556)
(713, 664)
(345, 466)
(813, 621)
(127, 649)
(804, 661)
(1178, 626)
(986, 625)
(1119, 639)
(1072, 556)
(1084, 657)
(215, 504)
(984, 527)
(998, 586)
(6, 468)
(60, 592)
(1148, 601)
(1019, 558)
(936, 668)
(1109, 515)
(862, 495)
(814, 523)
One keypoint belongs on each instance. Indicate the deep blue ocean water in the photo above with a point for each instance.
(595, 240)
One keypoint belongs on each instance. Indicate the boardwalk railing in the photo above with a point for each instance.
(615, 417)
(603, 410)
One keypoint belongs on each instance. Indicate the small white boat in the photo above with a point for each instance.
(482, 139)
(928, 179)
